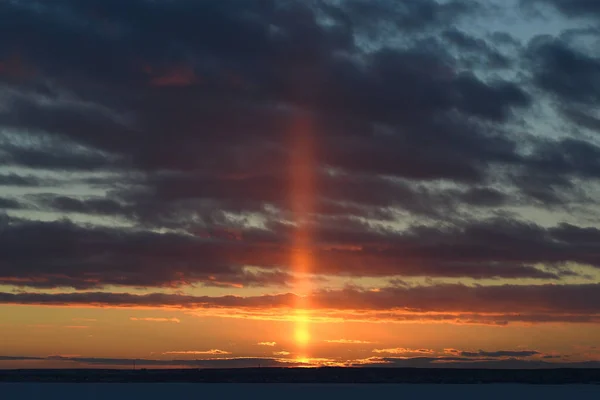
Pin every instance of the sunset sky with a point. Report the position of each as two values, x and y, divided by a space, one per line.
294 183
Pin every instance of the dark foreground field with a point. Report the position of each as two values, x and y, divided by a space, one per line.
310 375
239 391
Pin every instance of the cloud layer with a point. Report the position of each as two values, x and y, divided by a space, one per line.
493 361
438 303
145 146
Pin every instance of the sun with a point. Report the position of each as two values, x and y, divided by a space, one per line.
301 328
302 336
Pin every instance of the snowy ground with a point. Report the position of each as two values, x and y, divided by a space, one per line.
175 391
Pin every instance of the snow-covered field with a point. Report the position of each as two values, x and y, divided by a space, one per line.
175 391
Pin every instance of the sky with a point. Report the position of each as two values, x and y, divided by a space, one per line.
298 183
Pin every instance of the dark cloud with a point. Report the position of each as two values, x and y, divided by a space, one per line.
396 90
504 38
398 87
19 358
471 49
500 353
336 195
70 255
572 77
8 203
506 299
50 254
458 362
372 112
243 362
403 16
92 206
553 169
21 180
582 118
59 157
565 71
153 300
499 305
574 8
410 362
